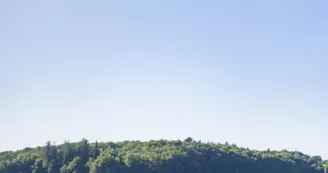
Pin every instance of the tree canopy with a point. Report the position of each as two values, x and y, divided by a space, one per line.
160 156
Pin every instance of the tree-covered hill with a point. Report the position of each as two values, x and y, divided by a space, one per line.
159 156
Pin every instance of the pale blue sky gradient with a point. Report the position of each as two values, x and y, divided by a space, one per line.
247 72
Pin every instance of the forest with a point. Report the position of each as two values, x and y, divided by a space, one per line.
156 156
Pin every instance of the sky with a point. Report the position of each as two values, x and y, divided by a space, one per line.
252 72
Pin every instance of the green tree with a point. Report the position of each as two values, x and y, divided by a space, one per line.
67 152
95 150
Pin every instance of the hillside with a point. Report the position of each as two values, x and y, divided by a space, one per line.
159 156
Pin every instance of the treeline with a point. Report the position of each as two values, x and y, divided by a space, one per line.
159 156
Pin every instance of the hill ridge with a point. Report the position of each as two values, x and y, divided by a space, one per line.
156 156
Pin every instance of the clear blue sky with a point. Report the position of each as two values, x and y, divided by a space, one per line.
247 72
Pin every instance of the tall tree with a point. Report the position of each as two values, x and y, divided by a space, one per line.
84 150
51 158
95 150
84 156
67 152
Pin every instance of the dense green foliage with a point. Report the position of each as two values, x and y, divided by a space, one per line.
160 156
